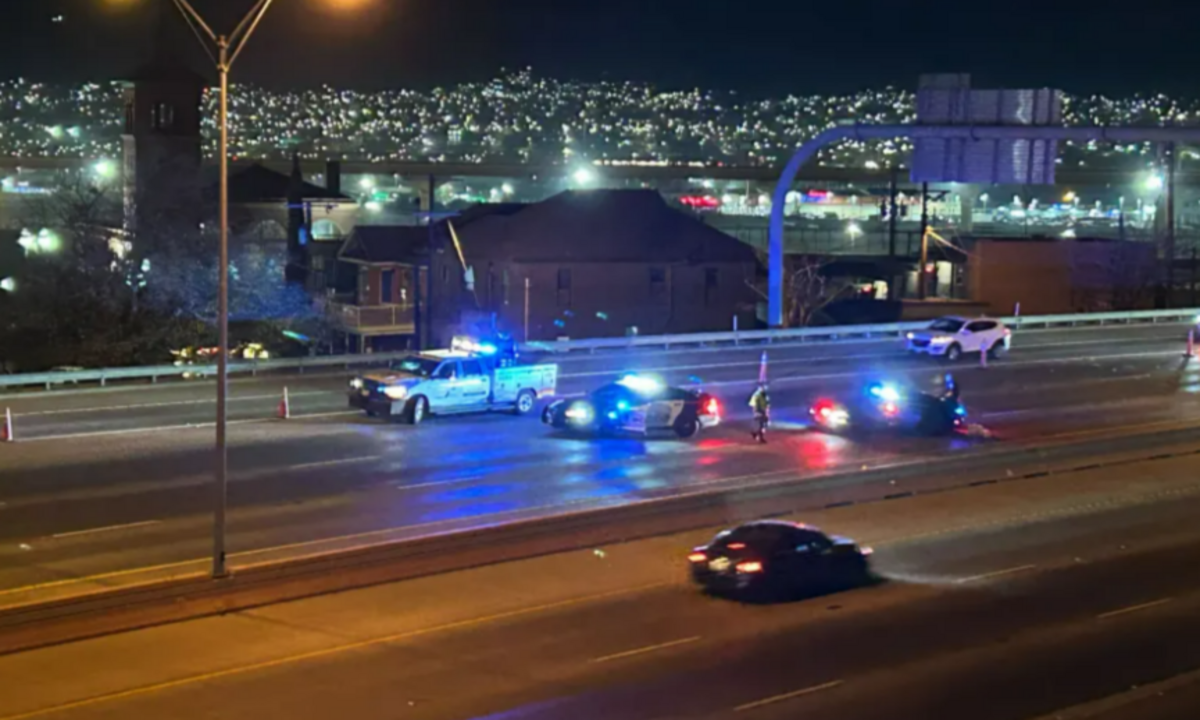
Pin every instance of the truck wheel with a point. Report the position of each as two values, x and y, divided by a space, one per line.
954 353
526 399
416 411
686 429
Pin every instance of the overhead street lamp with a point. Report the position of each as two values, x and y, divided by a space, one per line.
228 48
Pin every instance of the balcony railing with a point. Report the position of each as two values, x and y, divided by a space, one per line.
373 318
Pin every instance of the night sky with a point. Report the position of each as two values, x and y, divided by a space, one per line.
753 46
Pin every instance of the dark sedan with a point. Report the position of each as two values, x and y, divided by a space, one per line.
778 559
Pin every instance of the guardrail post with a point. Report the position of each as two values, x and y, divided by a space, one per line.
103 381
6 432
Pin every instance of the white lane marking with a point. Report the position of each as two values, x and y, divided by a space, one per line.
787 696
644 650
840 358
137 430
330 463
1133 609
439 483
997 573
187 426
173 403
313 416
110 528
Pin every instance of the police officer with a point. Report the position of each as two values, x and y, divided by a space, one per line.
760 403
952 389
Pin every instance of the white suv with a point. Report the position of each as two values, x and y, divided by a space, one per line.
950 337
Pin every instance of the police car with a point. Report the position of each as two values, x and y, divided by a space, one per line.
636 404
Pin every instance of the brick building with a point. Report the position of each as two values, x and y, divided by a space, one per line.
580 264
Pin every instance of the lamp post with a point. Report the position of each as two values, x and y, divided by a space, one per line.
228 48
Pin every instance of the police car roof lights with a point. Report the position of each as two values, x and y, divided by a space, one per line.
641 384
887 393
470 345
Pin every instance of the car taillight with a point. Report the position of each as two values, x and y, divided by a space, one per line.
736 546
697 557
867 550
750 567
823 408
890 409
712 407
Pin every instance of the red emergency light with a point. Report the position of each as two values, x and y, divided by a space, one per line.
700 202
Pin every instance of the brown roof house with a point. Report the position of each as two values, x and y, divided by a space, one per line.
581 264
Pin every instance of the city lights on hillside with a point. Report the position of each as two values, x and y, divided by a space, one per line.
524 118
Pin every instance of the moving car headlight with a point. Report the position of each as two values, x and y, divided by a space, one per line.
396 392
356 383
580 413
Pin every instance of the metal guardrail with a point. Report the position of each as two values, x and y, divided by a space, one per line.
841 332
154 373
797 335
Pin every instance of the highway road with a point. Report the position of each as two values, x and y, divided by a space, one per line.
109 481
1010 602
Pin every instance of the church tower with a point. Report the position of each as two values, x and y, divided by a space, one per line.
162 137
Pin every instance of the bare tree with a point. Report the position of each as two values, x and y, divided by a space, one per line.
807 291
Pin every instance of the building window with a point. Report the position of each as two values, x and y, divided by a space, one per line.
658 285
564 287
712 281
326 229
164 116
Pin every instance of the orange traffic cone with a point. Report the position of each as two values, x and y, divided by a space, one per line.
6 432
285 407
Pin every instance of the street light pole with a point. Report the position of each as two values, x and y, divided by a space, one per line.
222 451
228 49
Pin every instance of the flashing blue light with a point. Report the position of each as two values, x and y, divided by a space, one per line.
296 336
622 405
612 415
640 384
960 411
488 349
885 392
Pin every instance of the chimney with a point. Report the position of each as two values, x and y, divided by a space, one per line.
333 177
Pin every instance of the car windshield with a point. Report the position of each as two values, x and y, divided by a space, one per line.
416 365
946 325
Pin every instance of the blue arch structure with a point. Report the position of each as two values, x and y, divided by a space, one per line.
966 132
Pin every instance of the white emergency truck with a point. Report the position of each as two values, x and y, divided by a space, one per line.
467 378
